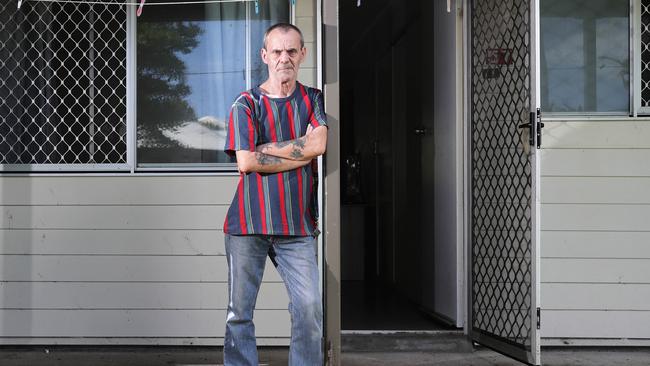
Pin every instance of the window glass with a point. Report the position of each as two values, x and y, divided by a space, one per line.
191 67
273 12
585 55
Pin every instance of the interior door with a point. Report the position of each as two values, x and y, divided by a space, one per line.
504 171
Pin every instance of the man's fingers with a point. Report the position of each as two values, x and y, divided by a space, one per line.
310 128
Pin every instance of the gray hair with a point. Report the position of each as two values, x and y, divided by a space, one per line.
284 28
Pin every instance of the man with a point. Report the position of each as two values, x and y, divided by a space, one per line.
275 130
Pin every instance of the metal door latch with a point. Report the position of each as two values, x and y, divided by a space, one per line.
535 126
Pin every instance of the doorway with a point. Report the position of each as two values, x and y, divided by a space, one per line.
401 170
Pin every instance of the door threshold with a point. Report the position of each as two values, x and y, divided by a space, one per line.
397 331
407 340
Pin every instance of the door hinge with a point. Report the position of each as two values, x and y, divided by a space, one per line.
328 361
539 318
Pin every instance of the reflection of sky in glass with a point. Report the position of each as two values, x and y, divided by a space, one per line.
214 73
585 59
216 67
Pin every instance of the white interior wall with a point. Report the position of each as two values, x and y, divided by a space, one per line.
447 162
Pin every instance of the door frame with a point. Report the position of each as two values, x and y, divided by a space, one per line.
331 198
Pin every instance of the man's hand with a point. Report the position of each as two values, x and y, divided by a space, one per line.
304 148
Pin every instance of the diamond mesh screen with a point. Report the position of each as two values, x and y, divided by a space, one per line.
645 53
501 171
62 83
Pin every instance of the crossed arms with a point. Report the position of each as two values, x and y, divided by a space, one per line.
281 156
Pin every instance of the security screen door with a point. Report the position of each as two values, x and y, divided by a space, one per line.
504 217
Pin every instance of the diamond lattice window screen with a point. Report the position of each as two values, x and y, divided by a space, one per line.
62 83
645 53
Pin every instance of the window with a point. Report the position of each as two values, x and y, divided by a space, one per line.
62 86
585 56
64 83
193 61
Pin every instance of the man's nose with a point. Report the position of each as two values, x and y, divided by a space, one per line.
284 56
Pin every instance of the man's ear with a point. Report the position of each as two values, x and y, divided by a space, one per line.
264 54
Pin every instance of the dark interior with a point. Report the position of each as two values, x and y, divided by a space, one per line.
386 104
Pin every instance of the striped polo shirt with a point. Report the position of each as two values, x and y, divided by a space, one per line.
273 203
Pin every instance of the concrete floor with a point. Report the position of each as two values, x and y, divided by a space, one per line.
446 350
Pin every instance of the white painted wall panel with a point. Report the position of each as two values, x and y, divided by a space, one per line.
595 296
589 270
131 295
595 239
124 258
133 323
112 268
595 324
597 133
596 162
112 242
596 244
134 217
596 217
116 190
590 190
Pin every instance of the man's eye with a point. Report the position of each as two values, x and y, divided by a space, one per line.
293 53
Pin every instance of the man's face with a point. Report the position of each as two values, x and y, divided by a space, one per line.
283 55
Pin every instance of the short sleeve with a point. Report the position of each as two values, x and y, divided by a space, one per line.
241 133
319 118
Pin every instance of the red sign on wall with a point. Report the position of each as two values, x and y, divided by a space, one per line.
498 56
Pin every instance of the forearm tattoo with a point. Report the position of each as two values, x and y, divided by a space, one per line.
297 144
264 159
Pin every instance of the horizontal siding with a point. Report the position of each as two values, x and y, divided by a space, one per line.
606 270
131 295
107 268
601 217
134 323
112 242
160 217
595 244
117 190
595 239
595 324
600 190
589 296
89 259
596 162
597 134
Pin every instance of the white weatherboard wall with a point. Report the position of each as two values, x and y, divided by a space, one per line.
595 240
121 259
128 259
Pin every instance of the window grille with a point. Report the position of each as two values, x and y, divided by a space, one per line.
645 53
62 84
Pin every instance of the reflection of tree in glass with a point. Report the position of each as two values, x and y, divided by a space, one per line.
161 80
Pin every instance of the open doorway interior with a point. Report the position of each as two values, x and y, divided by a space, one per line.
399 183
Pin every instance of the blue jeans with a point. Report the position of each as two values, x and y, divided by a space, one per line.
296 263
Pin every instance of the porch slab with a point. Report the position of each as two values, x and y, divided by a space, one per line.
446 352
